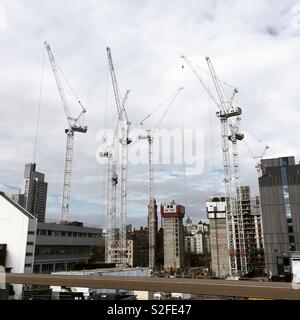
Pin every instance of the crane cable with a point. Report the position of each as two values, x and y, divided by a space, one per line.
183 151
162 104
39 106
69 85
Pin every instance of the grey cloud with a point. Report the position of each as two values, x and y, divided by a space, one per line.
252 46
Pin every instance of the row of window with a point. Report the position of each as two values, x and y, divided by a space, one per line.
53 251
48 268
56 233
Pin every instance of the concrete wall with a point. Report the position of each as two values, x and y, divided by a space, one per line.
219 248
14 228
171 258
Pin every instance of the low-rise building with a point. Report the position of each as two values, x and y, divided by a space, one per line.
59 247
18 236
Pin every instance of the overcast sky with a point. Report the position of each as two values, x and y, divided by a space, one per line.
254 45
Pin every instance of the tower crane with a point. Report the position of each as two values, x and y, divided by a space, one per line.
125 141
74 126
149 137
225 113
112 183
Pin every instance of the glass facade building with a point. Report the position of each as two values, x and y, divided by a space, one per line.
280 203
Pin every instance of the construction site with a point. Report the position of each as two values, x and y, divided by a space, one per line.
238 237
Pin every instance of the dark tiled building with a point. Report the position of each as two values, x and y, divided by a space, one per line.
280 203
33 195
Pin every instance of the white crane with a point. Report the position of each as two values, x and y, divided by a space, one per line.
259 157
74 126
226 111
111 242
112 182
125 141
151 207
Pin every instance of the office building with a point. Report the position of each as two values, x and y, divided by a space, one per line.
59 247
33 196
172 215
279 188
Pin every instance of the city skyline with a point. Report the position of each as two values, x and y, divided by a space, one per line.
257 66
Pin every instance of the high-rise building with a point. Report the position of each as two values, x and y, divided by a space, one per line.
173 215
253 236
280 203
216 213
33 196
140 247
252 222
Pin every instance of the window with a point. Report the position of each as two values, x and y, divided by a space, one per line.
47 268
30 243
291 239
36 268
29 254
31 232
43 232
28 265
290 229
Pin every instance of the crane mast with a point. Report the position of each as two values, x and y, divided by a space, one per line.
73 127
234 138
112 182
149 137
125 141
151 205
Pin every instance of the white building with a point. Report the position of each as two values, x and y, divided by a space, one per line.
18 232
197 239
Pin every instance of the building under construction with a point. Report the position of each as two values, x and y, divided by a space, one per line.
252 229
216 213
173 215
